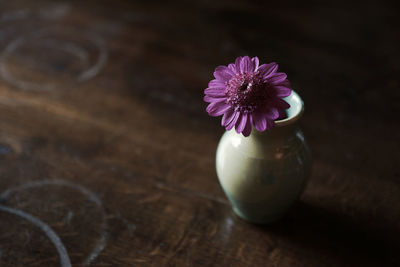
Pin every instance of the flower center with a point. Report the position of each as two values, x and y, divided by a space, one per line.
247 92
244 87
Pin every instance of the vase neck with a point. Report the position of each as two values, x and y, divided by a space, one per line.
278 132
289 125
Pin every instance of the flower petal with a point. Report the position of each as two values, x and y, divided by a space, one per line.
223 73
272 113
216 84
269 113
282 91
286 83
246 65
215 92
267 69
241 123
230 125
277 77
280 103
256 63
212 99
247 129
228 117
282 114
217 108
259 122
237 64
270 124
232 67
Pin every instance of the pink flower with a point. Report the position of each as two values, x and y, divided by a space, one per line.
247 94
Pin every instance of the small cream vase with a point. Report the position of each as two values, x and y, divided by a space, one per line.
264 174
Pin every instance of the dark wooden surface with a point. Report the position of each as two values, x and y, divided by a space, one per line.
104 137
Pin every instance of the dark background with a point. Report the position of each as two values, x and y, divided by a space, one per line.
104 135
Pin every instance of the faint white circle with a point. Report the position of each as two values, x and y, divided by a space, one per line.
51 39
102 241
54 238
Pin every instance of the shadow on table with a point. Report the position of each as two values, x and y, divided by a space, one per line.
317 228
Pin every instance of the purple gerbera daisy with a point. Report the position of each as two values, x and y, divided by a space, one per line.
247 94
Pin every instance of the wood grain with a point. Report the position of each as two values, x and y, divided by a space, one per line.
105 140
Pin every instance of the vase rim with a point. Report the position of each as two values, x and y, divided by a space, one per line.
295 111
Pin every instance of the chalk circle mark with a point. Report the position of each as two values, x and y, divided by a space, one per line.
62 251
102 240
53 56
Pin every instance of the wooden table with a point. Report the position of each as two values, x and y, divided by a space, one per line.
107 153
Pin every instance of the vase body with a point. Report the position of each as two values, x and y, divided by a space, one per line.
263 174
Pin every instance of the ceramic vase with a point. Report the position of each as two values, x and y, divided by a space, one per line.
264 174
